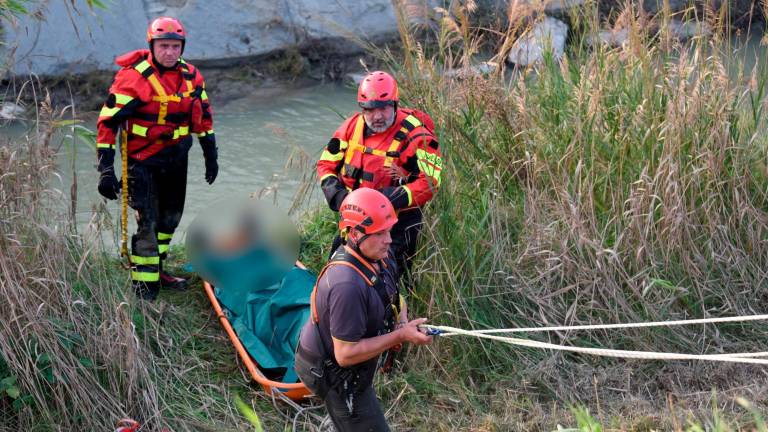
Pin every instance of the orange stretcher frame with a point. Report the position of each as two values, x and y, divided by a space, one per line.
295 391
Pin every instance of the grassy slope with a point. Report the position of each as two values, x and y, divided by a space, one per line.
616 186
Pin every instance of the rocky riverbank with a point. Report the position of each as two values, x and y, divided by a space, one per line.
245 51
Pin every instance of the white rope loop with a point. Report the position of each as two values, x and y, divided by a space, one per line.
748 358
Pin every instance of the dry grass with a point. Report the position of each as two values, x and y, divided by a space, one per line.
77 352
614 185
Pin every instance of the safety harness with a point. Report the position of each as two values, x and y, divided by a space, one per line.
347 380
407 125
347 257
163 98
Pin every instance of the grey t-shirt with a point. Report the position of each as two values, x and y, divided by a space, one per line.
349 309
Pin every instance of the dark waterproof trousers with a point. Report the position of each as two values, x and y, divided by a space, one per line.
405 235
351 410
157 193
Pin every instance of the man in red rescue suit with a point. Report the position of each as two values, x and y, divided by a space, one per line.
157 100
387 148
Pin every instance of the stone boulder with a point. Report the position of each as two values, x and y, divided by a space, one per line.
549 33
11 111
74 39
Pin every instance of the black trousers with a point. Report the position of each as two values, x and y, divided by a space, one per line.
353 411
365 414
157 193
405 236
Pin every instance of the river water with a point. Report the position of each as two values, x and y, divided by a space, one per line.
256 136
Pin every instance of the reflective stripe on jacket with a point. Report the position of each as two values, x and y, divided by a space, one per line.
407 155
156 109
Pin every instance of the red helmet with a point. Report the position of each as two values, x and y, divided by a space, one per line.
166 28
366 210
378 89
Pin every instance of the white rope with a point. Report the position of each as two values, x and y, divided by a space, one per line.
613 326
644 355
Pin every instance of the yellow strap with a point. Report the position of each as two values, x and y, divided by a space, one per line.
357 139
124 194
161 97
164 236
393 147
105 145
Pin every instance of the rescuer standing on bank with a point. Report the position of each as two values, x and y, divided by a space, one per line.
157 100
387 148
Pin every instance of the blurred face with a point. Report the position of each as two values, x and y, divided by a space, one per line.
379 119
376 246
167 51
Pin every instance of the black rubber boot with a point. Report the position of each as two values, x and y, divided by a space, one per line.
146 290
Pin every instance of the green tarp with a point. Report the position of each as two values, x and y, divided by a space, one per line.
266 304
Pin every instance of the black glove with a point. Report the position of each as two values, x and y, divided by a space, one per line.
334 192
211 155
211 170
109 187
397 196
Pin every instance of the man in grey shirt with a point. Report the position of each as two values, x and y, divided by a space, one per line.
356 315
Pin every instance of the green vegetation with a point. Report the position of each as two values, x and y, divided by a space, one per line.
615 185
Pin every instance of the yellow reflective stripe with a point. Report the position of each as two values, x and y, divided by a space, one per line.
108 112
326 176
413 121
163 248
410 201
206 133
105 145
141 67
145 276
204 95
164 236
393 146
180 132
139 130
328 156
343 145
430 164
140 260
122 99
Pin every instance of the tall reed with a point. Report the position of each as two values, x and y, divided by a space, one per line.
613 185
77 352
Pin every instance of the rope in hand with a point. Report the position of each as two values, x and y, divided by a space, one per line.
749 358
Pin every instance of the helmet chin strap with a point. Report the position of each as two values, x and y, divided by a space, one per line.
355 244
